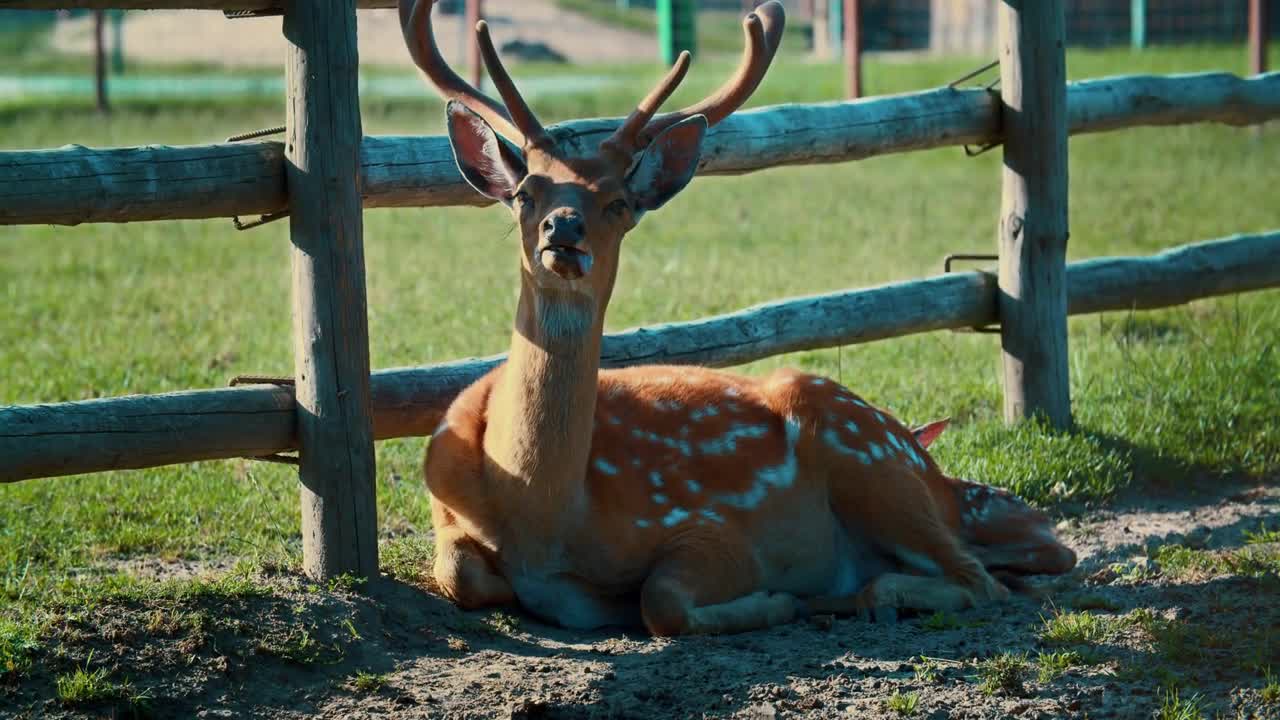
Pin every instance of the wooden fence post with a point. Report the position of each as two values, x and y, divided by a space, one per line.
1033 213
331 335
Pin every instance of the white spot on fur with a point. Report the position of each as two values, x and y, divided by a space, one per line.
655 478
615 420
712 515
660 498
675 517
782 475
606 467
700 414
728 443
877 452
732 391
880 417
852 427
819 381
642 523
693 485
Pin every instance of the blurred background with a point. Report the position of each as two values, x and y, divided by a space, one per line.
50 54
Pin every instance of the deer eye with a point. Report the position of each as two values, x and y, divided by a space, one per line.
617 208
521 198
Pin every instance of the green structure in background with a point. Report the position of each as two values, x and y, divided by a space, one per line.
1138 24
677 28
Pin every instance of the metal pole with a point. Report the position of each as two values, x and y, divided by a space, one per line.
1258 32
835 23
100 62
474 14
852 49
117 42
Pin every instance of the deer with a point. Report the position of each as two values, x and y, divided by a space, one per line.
681 499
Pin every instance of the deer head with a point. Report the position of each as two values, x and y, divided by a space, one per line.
573 211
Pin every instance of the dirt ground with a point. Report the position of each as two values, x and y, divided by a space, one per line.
208 37
295 650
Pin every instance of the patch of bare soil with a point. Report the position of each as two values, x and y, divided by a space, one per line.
297 651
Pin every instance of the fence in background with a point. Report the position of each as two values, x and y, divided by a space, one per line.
326 173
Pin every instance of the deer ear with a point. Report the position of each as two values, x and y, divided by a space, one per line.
490 164
668 164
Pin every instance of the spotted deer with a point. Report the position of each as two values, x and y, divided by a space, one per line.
686 499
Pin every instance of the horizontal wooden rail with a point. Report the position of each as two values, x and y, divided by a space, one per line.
72 185
146 431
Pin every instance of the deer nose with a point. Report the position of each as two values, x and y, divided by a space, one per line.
564 227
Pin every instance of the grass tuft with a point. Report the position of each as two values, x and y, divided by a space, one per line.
407 558
367 682
1051 666
1175 707
1004 674
903 704
1080 628
18 642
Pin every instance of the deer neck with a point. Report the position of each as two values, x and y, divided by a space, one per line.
542 406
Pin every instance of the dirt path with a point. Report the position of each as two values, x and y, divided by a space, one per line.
296 651
207 37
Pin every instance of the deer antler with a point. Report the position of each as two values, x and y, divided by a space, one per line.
763 29
516 121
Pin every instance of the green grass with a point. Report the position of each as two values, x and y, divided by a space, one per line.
1004 674
1080 628
1173 396
18 642
367 682
87 687
1050 666
902 704
1270 692
1175 707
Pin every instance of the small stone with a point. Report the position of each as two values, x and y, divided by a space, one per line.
822 622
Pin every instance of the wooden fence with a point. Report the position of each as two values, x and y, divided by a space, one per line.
331 172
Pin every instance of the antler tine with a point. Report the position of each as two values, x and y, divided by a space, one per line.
625 137
521 114
763 29
415 22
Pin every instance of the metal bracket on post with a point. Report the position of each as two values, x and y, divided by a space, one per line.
258 12
973 257
971 151
253 135
282 381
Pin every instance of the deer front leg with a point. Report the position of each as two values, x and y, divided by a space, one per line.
463 571
707 589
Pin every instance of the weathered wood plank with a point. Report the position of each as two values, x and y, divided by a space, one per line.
1236 264
331 333
74 184
145 431
1115 103
1033 213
